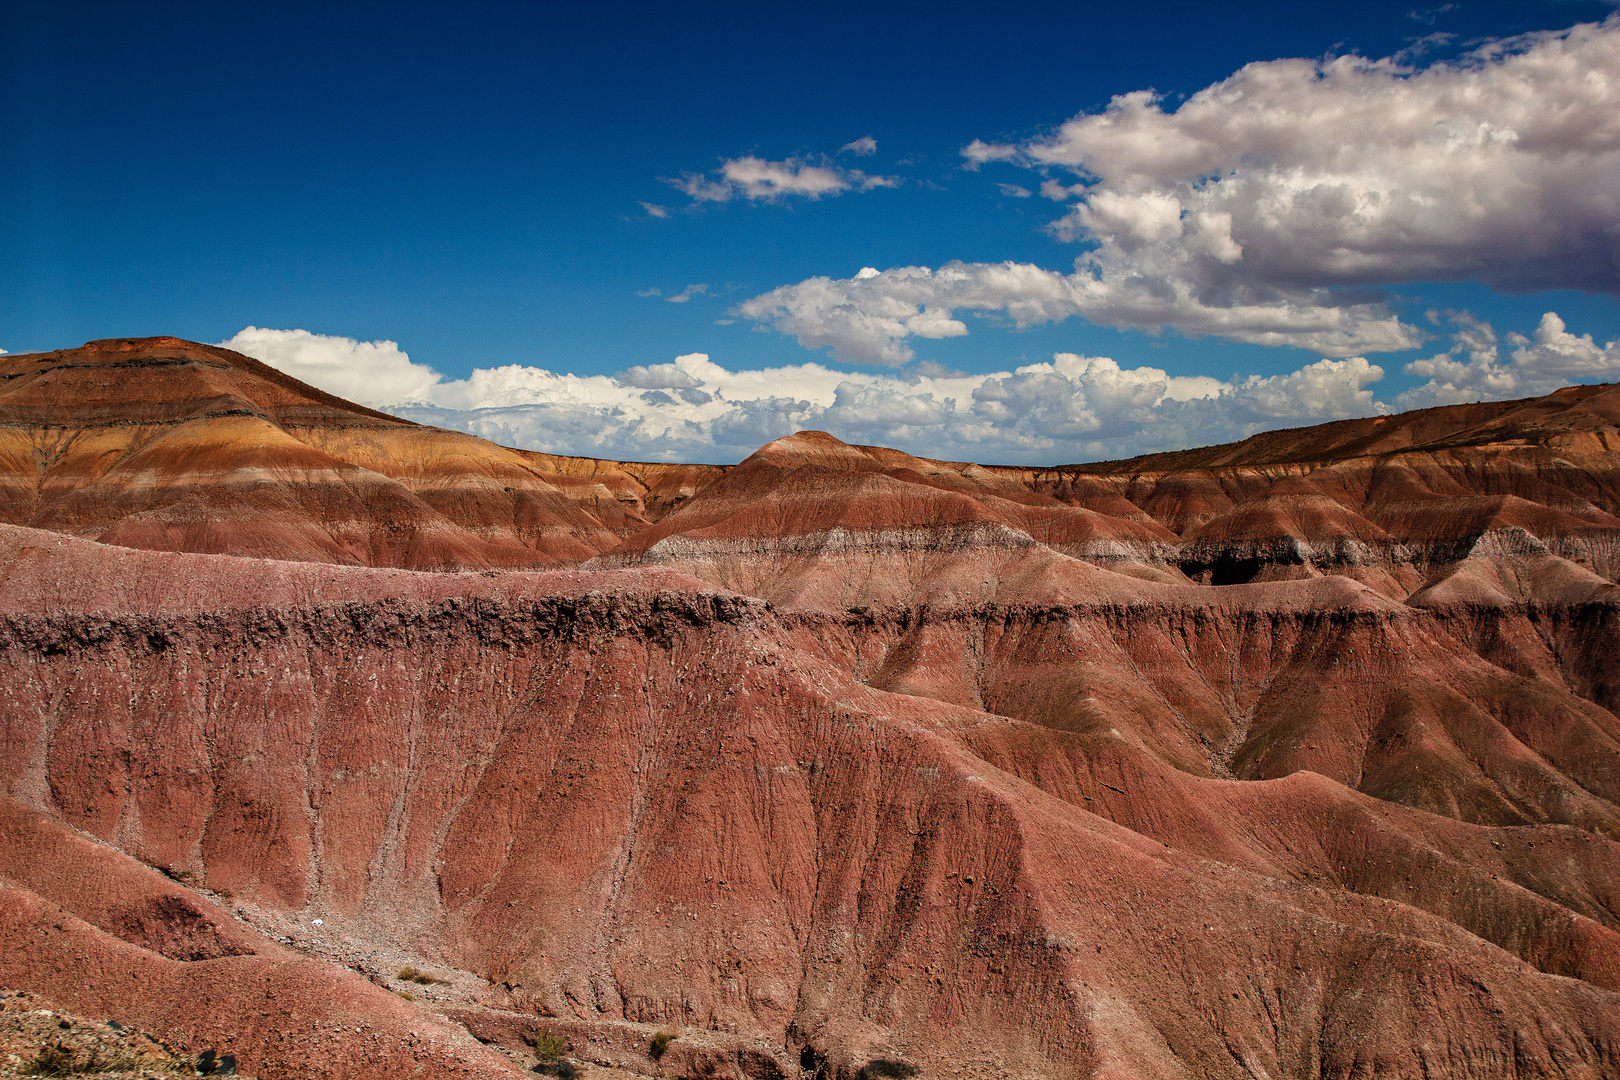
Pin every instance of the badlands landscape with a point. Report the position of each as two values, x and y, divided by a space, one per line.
351 747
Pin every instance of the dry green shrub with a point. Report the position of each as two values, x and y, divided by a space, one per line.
421 978
549 1046
661 1041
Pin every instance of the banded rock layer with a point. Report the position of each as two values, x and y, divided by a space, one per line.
832 758
164 444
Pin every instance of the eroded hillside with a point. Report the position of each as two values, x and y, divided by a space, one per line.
1296 758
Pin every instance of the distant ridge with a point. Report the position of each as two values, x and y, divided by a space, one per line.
173 445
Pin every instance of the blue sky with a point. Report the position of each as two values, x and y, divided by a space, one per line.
496 186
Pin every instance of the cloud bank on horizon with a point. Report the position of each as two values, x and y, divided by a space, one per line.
1071 408
1271 207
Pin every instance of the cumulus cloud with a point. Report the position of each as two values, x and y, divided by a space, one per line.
373 373
655 210
1071 408
1013 191
1271 206
1503 165
870 317
760 180
865 146
659 377
1473 368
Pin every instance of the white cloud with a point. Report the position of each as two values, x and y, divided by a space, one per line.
691 409
1503 165
1013 191
687 293
865 146
1268 207
659 377
1556 357
1473 370
373 373
655 210
978 152
868 318
1060 192
759 180
1325 390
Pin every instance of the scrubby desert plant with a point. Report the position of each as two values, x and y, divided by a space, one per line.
661 1041
886 1069
421 978
549 1046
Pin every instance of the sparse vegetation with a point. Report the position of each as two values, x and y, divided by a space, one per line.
58 1061
661 1041
561 1068
51 1061
549 1046
886 1069
421 978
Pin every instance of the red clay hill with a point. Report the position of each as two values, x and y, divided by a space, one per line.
1292 758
